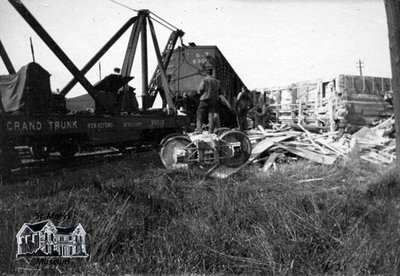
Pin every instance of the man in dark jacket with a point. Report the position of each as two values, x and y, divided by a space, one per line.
209 91
243 104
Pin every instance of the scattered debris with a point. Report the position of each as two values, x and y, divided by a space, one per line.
374 144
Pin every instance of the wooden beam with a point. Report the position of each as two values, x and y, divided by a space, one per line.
270 161
145 70
310 155
310 138
99 54
132 46
167 90
6 60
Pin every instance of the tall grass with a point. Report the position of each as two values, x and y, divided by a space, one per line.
300 219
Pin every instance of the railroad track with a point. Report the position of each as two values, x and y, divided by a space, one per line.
35 168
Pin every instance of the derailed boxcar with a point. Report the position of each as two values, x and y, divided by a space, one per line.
362 99
349 100
187 68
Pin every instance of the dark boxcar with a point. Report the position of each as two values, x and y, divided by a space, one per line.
187 69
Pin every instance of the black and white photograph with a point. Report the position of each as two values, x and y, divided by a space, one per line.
172 137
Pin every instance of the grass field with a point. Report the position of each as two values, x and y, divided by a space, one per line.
301 219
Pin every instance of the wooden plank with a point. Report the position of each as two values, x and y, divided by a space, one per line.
260 127
307 154
389 148
379 157
331 133
310 137
388 156
309 180
270 161
384 124
276 134
300 144
223 171
326 144
369 159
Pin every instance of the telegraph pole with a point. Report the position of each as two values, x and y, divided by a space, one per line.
393 21
360 66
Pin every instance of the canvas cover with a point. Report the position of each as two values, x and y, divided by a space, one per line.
26 92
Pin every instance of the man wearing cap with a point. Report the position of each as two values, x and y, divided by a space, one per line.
209 91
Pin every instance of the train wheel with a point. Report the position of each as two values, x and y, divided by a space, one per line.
166 138
170 150
242 154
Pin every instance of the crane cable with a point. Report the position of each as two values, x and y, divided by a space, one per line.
164 22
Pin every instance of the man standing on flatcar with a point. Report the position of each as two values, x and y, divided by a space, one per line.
209 90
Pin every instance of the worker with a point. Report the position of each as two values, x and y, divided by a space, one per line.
243 104
209 90
260 112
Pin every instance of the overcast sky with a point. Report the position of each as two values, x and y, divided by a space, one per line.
267 42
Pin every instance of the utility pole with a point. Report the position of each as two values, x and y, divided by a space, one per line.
360 66
393 21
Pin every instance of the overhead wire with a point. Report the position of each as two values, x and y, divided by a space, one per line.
118 3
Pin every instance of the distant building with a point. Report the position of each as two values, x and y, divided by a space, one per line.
44 239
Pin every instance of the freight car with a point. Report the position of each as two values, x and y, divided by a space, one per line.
187 68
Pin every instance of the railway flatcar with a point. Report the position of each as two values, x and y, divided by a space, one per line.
33 117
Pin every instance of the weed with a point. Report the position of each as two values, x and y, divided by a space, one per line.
300 219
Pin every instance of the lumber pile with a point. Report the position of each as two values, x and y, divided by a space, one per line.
373 144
